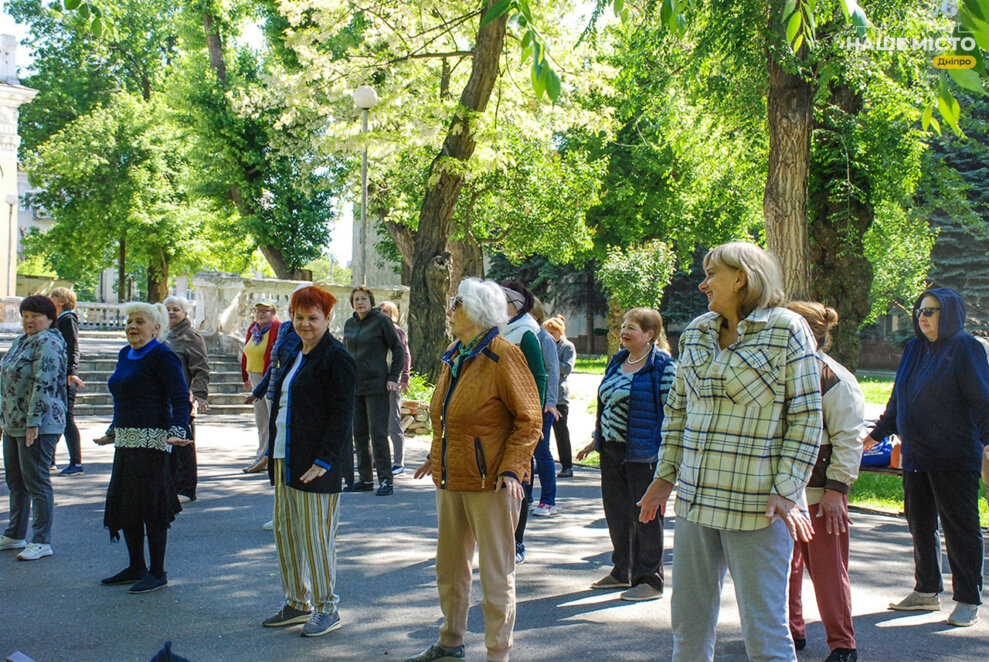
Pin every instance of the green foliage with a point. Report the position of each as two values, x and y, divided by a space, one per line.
637 276
592 364
114 173
419 389
35 265
876 389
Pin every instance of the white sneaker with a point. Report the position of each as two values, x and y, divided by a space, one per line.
544 510
6 542
35 551
269 525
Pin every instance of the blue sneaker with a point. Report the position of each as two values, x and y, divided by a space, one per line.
519 553
320 623
71 470
398 469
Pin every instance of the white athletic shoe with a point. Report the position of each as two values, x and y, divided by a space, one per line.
35 551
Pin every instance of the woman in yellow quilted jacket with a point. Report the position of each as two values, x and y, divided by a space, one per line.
486 418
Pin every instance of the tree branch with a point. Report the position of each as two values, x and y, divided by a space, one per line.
424 56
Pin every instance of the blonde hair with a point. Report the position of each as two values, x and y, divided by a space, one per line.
390 309
820 319
66 296
649 319
556 323
763 282
156 312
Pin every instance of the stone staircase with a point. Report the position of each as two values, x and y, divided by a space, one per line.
98 359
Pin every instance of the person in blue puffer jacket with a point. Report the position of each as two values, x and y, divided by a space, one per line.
627 437
940 410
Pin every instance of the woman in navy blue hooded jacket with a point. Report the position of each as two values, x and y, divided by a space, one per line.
940 410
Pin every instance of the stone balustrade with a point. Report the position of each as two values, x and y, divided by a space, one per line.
225 305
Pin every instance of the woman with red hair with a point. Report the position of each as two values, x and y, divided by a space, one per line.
308 436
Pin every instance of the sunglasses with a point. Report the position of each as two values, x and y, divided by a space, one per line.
926 312
454 304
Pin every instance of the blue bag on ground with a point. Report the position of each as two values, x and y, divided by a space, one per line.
878 455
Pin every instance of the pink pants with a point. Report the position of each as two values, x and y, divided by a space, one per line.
826 559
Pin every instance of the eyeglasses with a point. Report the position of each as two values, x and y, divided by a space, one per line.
926 312
455 303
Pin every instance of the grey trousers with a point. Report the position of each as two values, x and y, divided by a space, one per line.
395 432
759 562
28 475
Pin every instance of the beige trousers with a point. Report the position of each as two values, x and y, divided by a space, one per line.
487 521
261 413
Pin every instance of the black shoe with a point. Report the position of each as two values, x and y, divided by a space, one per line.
149 583
386 488
361 486
125 576
843 655
565 473
799 644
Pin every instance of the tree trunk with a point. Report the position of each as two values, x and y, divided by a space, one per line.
840 215
157 281
122 270
467 259
431 267
589 310
217 62
789 113
615 314
214 45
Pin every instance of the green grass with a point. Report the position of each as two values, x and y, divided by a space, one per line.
593 364
876 389
884 492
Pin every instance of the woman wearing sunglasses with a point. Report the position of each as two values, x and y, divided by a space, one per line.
940 410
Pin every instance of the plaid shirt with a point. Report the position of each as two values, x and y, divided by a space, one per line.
744 422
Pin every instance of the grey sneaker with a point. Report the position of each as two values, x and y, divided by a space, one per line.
641 593
964 615
437 652
320 623
287 615
917 602
608 582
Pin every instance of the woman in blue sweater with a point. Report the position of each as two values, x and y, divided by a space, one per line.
151 410
940 410
627 437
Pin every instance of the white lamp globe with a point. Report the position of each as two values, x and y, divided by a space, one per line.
365 97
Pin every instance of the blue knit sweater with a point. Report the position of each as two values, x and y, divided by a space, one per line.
151 391
940 401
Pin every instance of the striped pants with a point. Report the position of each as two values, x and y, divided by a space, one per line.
305 535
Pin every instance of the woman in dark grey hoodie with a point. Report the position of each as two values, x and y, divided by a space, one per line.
940 410
368 335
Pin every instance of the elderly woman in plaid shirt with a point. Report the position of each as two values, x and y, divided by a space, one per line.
740 436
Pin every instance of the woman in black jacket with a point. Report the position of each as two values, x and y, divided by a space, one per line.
369 335
68 325
308 436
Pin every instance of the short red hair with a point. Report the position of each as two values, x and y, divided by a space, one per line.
312 298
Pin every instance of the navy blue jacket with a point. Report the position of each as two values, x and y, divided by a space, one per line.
283 352
645 406
940 401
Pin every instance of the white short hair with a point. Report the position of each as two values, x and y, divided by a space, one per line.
483 302
156 312
181 302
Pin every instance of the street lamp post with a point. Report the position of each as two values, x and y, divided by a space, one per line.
365 98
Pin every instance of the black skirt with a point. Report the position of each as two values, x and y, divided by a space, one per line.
140 490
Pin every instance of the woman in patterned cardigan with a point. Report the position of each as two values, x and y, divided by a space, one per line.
32 415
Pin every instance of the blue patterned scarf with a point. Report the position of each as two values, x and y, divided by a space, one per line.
257 333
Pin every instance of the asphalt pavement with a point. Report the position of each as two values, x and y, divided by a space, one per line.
223 579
